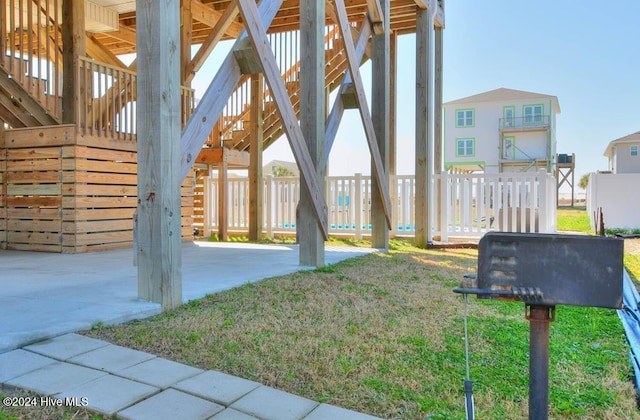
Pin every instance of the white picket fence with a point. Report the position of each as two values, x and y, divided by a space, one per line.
471 204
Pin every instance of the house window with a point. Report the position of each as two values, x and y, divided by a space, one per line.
465 147
509 116
465 118
532 114
634 150
509 148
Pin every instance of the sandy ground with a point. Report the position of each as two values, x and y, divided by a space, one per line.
632 246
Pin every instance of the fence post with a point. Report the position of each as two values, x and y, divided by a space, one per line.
269 205
207 208
393 192
544 201
358 206
444 214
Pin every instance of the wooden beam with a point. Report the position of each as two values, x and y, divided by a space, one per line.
378 167
246 57
204 117
158 227
424 26
99 52
435 8
335 116
312 117
124 34
256 183
221 26
205 14
186 32
235 158
376 16
280 95
73 42
380 98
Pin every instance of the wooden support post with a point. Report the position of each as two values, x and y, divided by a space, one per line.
393 111
159 252
256 183
438 140
393 180
376 14
73 41
312 117
223 202
424 26
186 21
381 75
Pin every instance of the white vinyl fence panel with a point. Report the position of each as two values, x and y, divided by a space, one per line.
471 205
616 196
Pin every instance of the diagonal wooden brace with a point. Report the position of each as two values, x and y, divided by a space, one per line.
260 42
204 117
365 115
335 116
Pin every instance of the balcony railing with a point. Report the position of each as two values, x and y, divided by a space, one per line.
530 122
108 108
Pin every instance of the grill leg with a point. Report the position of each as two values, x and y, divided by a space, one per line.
539 318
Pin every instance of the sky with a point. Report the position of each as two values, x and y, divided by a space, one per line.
585 52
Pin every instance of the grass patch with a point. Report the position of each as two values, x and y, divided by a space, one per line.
632 264
573 219
383 334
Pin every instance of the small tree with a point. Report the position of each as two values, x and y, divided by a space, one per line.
282 171
584 181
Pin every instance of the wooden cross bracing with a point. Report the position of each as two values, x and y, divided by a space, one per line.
365 115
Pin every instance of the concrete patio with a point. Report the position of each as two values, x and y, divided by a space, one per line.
44 298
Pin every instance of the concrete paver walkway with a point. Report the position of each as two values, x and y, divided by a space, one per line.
50 296
130 384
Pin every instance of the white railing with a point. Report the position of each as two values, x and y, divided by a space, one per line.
471 204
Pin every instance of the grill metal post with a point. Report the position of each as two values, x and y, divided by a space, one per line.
539 317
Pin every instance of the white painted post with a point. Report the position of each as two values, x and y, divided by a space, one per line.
207 206
269 205
358 206
544 202
444 209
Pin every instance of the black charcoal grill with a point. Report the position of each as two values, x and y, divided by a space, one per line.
545 270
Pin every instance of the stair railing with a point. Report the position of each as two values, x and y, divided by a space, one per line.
31 42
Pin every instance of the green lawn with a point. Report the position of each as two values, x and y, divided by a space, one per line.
383 334
573 219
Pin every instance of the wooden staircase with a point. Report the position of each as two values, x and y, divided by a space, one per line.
234 126
18 107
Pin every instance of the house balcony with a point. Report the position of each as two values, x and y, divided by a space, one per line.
527 123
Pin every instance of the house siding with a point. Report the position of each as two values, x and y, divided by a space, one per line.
486 132
623 162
